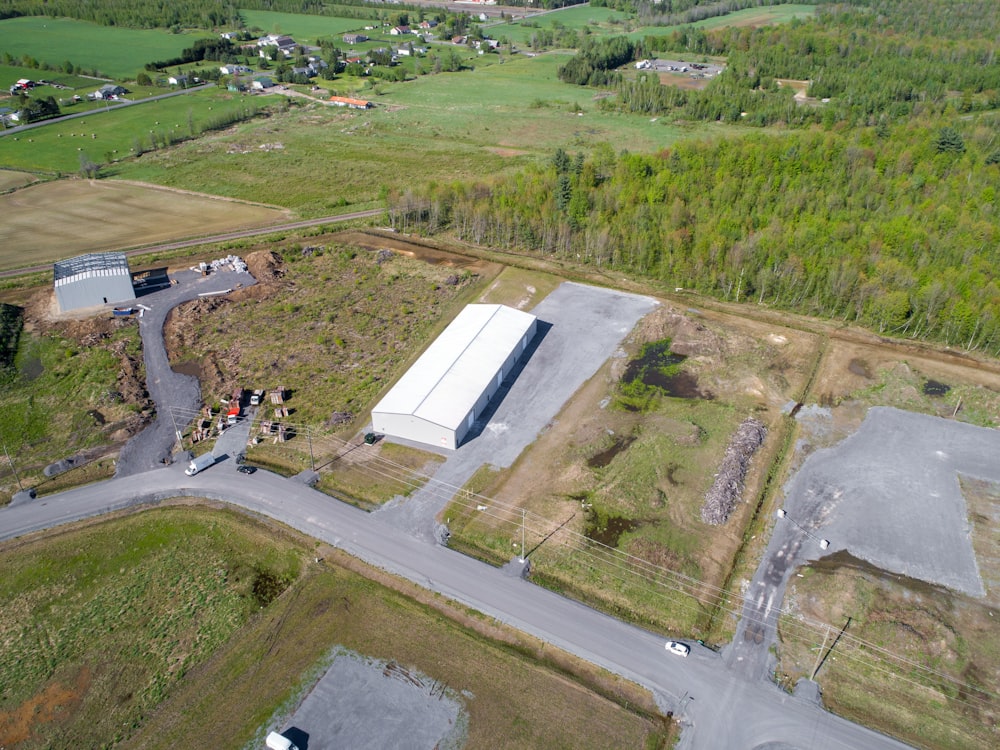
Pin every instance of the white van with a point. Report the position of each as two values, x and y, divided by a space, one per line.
276 741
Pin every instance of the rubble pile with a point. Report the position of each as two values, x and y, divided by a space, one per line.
727 489
233 262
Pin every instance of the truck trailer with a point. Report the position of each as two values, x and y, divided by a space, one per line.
200 463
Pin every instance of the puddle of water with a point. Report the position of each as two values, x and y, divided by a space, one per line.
602 459
934 388
32 368
658 367
189 367
608 530
860 367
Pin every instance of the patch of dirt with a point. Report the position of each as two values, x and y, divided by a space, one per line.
507 151
58 701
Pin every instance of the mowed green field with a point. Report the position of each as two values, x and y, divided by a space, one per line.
437 128
107 135
303 29
55 220
115 52
11 73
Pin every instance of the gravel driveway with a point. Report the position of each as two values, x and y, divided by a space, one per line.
168 389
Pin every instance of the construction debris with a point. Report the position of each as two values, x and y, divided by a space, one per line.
727 489
278 395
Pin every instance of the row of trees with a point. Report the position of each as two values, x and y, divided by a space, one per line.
892 228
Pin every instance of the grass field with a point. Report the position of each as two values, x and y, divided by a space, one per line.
303 29
55 220
109 135
148 629
115 52
441 126
606 21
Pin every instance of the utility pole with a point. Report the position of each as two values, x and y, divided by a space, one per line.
12 469
523 511
312 461
819 656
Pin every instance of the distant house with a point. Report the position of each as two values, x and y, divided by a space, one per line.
178 80
428 24
346 101
262 82
231 70
399 30
458 39
230 35
354 59
355 38
8 115
107 91
285 44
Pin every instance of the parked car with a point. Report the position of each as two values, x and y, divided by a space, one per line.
244 469
677 648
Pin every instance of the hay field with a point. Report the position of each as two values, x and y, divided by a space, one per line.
12 180
54 220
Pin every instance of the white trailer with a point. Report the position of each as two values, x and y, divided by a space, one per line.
200 463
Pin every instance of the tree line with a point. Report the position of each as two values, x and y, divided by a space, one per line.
893 228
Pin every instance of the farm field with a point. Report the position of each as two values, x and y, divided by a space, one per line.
54 220
10 180
111 51
303 29
211 598
109 135
612 22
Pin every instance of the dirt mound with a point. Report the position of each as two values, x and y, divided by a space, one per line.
266 266
727 490
688 335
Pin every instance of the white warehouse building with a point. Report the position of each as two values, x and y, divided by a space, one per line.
91 280
438 399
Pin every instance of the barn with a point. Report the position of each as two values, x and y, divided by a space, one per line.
92 279
438 399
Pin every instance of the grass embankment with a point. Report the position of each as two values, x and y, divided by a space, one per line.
148 629
62 396
113 51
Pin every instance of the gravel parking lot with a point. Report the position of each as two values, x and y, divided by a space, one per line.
889 494
365 703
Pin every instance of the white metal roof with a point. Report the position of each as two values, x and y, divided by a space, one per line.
88 266
444 384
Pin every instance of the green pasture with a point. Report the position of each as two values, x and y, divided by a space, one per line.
303 29
11 73
110 135
767 16
451 126
115 52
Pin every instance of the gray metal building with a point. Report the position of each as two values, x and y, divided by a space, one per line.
437 400
91 280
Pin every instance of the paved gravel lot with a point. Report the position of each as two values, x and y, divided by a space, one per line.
363 703
167 388
580 328
889 494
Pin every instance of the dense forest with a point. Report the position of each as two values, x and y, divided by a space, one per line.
892 228
907 70
879 208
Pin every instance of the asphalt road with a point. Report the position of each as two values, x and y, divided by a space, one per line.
719 709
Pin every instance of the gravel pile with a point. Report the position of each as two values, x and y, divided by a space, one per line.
727 489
